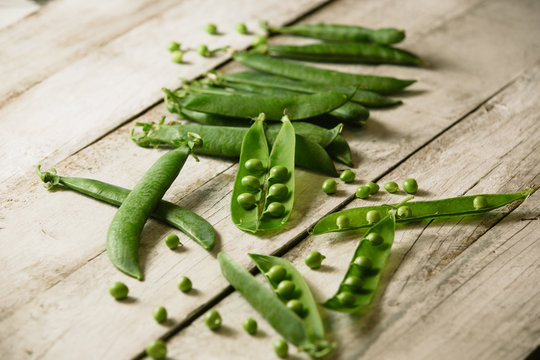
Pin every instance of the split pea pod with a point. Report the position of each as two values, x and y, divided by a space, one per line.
346 53
356 218
358 287
312 74
127 224
191 224
335 32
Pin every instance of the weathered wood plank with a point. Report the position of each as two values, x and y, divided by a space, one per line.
15 10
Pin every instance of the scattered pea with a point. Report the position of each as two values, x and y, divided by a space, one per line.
373 216
363 262
391 187
173 46
278 192
343 222
276 209
279 173
480 202
404 212
177 56
159 314
157 350
296 306
285 289
314 259
184 284
212 319
347 176
250 325
203 50
247 200
329 186
353 282
276 274
251 182
363 192
281 348
254 166
242 28
172 241
211 29
410 186
375 238
373 188
346 298
119 290
259 40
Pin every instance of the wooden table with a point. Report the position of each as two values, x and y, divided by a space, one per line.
75 78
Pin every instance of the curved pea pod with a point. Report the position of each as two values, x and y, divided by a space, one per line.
339 149
419 210
356 296
265 302
346 53
312 74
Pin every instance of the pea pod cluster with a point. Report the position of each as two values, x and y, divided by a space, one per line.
263 191
290 310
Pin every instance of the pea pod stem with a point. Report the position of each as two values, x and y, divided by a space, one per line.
181 218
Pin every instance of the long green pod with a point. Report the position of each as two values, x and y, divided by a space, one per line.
338 32
307 73
127 224
419 210
346 53
360 283
339 149
191 224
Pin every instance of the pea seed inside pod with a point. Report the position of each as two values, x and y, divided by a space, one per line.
285 289
375 239
254 166
276 209
278 192
354 283
276 274
346 298
278 173
296 306
363 262
373 216
480 202
343 222
404 212
251 182
247 200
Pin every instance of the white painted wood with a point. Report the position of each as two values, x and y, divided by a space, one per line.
12 11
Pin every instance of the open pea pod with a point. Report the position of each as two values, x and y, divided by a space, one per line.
418 210
358 287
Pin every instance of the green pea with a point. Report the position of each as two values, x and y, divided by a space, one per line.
346 298
281 348
391 187
212 319
247 200
203 50
285 289
251 182
363 192
157 350
329 186
211 29
410 186
354 283
254 166
314 259
276 274
279 192
173 46
480 202
177 56
159 314
374 238
279 173
373 188
184 284
343 222
119 290
347 176
250 325
259 40
296 306
242 28
373 216
363 262
276 209
172 241
404 212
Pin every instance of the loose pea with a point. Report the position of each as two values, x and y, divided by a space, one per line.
373 188
278 192
285 289
184 284
343 221
119 290
391 186
279 173
255 166
329 186
203 50
212 319
159 314
314 259
281 348
251 182
363 192
404 212
259 40
173 46
247 200
347 176
250 325
177 56
363 262
480 202
157 350
211 29
353 282
172 241
410 186
346 298
242 28
276 209
375 238
296 306
373 216
276 274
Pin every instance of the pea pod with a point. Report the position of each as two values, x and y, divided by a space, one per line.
346 53
335 32
358 287
184 220
419 210
311 74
